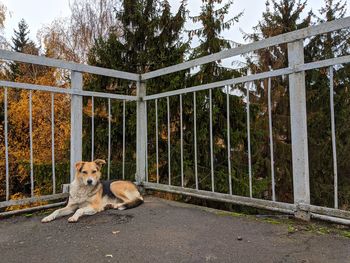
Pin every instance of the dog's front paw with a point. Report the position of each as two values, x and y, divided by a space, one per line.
47 219
72 219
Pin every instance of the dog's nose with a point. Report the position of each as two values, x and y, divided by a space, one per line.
89 181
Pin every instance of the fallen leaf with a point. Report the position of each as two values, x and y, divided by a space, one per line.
115 232
109 256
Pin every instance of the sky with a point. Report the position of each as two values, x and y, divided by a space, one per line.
38 13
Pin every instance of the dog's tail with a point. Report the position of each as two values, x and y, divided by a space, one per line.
136 202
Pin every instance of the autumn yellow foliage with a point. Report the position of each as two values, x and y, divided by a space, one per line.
18 125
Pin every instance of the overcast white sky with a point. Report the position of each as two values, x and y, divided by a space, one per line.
40 12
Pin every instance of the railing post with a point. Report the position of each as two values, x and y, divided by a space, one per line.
141 133
297 93
76 123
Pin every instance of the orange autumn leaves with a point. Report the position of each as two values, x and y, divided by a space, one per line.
18 124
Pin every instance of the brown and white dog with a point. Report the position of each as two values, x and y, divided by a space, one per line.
88 195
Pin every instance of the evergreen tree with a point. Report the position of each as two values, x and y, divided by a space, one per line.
20 42
279 17
322 47
212 20
20 39
151 39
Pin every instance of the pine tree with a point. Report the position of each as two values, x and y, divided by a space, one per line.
151 39
322 47
20 41
213 21
279 17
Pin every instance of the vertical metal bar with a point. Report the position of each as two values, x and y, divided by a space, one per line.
228 139
92 127
123 168
297 90
169 150
249 147
334 144
157 153
31 144
181 144
146 141
271 142
195 137
109 139
211 139
141 132
53 143
76 123
6 147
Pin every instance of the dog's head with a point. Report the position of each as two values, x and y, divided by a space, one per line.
89 173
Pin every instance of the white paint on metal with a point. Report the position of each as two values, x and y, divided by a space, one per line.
31 209
272 41
272 160
248 141
71 91
124 123
334 143
6 145
140 133
76 123
195 138
31 200
331 219
228 139
109 140
146 135
57 63
254 77
211 140
181 144
240 200
169 150
92 127
157 153
53 143
298 125
31 144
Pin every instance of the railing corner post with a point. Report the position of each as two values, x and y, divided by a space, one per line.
297 92
76 122
141 131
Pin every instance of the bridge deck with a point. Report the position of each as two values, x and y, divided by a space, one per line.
165 231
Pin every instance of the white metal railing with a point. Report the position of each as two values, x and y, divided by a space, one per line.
296 72
77 93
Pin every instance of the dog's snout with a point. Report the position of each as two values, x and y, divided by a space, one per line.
89 181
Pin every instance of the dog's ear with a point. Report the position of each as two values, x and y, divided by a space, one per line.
99 163
79 165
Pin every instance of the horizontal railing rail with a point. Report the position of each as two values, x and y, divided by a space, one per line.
239 200
57 63
249 78
68 91
265 43
31 200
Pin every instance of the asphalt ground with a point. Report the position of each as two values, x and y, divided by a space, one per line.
164 231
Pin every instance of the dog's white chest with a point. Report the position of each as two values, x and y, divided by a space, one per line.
78 195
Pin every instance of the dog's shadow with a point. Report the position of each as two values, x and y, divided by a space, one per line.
111 216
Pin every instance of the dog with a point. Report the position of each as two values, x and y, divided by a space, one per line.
88 195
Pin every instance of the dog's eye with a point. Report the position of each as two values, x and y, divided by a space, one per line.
94 171
84 172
